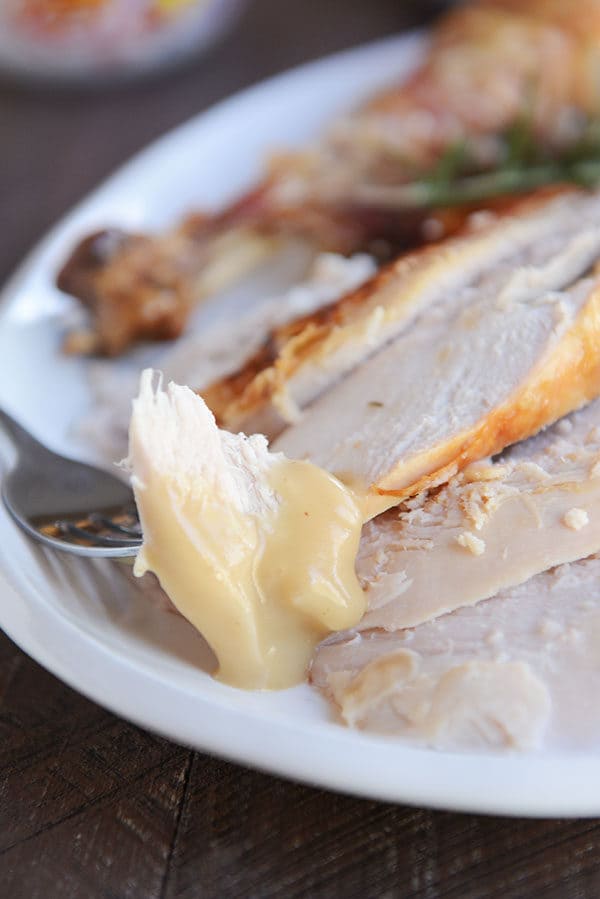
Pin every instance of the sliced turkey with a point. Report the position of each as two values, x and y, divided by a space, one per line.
303 360
494 526
517 671
487 368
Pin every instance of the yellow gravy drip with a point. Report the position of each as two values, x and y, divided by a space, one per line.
263 592
370 502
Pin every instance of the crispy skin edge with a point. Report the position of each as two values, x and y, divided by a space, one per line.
237 397
565 380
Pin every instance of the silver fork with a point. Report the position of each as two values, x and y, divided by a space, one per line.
66 504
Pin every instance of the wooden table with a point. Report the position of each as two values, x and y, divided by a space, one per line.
91 806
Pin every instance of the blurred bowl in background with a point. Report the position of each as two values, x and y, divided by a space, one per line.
91 41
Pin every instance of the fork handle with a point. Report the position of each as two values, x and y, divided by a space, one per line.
23 440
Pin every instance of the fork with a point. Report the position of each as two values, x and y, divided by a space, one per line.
67 504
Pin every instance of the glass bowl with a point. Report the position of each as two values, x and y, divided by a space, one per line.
100 40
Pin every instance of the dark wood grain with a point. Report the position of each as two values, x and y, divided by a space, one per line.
91 806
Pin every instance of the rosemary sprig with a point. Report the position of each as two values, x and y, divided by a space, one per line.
524 166
428 193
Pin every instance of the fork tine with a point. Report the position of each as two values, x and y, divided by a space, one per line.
68 529
109 524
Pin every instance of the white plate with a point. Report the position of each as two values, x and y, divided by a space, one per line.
85 622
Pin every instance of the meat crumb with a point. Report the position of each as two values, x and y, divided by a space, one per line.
474 544
576 519
564 426
484 471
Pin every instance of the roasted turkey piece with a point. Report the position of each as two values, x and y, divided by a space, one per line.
304 360
490 64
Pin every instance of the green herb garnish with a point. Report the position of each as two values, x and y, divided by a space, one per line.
524 166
